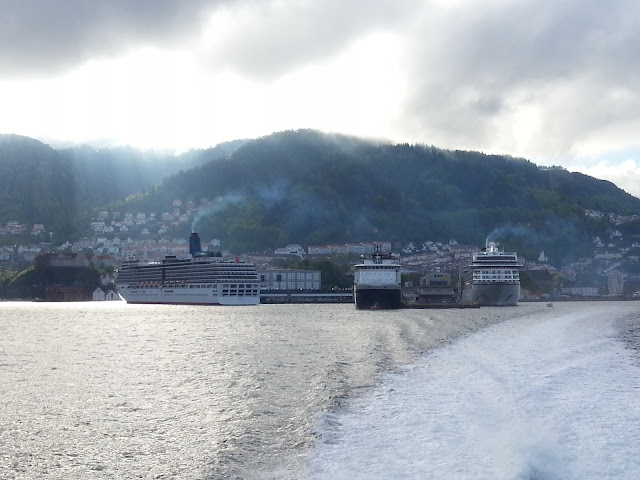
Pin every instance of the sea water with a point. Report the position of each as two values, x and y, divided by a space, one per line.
544 396
106 390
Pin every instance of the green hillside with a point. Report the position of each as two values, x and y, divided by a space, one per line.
61 188
111 174
312 188
36 184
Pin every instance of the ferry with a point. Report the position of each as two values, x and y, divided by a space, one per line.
377 282
493 277
202 278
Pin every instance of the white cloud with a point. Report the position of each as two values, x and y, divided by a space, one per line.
552 80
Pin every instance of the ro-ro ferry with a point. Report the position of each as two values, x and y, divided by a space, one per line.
377 282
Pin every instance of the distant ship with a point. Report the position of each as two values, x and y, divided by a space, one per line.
493 277
377 282
202 278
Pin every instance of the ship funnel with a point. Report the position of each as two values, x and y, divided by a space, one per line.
194 244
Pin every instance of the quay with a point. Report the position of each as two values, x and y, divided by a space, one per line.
440 305
305 297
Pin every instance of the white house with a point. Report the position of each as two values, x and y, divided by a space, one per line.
111 296
98 295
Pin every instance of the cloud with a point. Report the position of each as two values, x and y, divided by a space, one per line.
271 38
249 36
557 79
45 36
488 72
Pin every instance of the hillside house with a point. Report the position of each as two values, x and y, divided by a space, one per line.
291 249
67 260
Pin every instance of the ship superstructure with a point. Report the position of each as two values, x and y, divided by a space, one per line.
202 278
493 278
377 282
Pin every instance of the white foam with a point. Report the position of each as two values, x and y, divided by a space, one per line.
536 398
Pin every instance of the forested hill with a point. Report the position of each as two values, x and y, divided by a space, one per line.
312 188
109 174
36 184
59 188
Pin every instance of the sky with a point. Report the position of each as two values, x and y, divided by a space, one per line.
556 82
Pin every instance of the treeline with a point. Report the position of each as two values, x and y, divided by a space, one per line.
313 188
34 281
63 189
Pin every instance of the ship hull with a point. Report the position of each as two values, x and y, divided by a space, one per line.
171 296
377 298
496 294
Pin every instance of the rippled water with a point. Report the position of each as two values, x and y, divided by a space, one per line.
546 396
109 390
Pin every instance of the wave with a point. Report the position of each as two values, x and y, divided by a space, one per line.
541 397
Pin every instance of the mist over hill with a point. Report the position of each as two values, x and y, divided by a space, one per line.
36 184
315 188
61 188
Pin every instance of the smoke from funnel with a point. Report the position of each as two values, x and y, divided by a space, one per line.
510 231
218 204
269 195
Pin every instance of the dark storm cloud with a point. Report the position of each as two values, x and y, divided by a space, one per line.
45 36
467 74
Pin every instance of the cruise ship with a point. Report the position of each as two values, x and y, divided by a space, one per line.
493 277
377 282
202 278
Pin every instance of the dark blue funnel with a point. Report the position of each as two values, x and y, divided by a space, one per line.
194 244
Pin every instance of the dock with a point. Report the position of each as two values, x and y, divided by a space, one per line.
419 306
306 297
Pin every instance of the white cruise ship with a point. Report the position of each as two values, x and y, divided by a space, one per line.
200 279
377 282
493 277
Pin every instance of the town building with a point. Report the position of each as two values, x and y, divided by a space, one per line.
290 280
